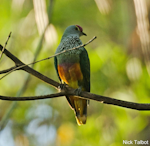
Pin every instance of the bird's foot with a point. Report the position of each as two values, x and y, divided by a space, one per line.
78 91
62 86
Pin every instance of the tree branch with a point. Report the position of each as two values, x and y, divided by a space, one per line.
28 69
69 91
84 95
7 70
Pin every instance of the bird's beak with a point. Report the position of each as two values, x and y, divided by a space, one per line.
84 33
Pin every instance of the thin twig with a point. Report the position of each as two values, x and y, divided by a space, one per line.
5 45
19 67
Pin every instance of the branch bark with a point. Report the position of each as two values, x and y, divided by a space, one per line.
84 95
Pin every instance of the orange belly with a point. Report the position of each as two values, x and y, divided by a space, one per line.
70 74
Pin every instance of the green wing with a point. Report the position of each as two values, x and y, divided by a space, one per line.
85 68
55 63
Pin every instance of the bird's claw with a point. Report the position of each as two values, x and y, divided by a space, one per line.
78 91
62 86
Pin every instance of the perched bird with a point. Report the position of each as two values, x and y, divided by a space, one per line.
73 69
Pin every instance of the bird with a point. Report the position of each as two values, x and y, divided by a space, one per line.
73 69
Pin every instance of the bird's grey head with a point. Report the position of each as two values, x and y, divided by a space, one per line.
74 30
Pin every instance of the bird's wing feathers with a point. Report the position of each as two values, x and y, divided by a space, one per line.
85 68
55 63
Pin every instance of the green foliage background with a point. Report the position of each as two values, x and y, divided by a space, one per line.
115 72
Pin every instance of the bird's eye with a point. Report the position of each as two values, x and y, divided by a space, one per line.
76 28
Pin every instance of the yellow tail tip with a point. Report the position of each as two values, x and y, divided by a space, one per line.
81 119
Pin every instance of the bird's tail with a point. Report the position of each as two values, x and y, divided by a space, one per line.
81 110
81 119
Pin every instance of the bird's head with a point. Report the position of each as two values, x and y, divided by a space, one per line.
74 30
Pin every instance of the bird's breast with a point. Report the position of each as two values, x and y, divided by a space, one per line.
70 73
